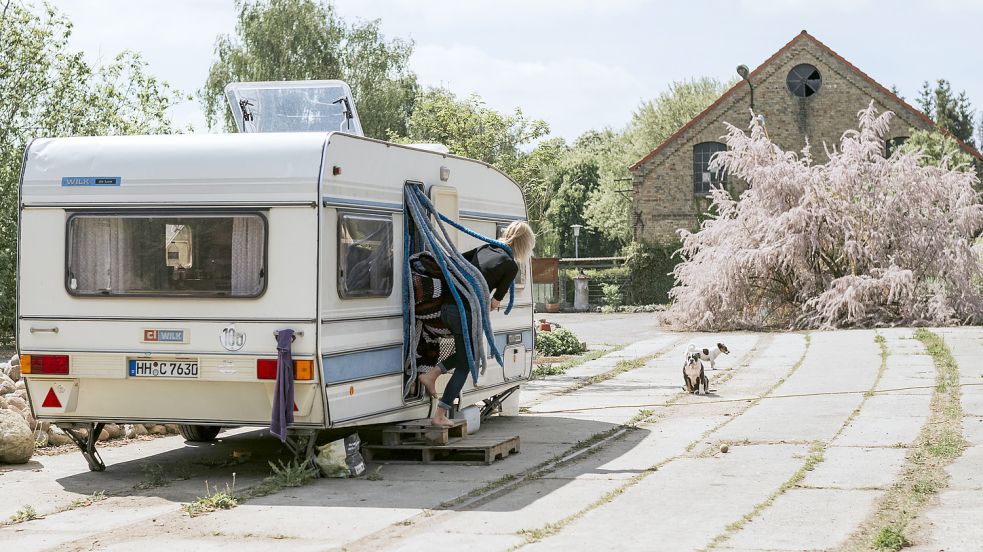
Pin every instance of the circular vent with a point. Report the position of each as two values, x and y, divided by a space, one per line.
804 80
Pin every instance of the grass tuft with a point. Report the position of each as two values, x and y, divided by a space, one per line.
290 474
891 538
213 500
545 370
87 500
25 513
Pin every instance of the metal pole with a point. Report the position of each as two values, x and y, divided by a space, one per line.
576 239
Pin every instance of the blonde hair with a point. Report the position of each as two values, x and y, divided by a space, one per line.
520 237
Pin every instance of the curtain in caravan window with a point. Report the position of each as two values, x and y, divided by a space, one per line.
247 255
180 254
91 254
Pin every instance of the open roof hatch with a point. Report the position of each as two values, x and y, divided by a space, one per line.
293 106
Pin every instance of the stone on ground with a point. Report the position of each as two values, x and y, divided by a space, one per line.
16 439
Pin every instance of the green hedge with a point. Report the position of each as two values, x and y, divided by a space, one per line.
597 279
644 279
651 267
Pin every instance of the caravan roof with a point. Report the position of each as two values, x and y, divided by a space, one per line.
181 168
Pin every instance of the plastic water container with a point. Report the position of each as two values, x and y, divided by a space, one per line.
473 415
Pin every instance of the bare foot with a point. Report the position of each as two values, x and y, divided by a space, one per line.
429 381
440 419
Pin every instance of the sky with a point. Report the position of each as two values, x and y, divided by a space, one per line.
577 64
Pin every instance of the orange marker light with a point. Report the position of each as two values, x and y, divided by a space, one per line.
304 369
25 364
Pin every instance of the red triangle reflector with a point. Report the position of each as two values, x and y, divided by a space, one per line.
51 400
295 407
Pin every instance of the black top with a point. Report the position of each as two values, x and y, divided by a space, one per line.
496 266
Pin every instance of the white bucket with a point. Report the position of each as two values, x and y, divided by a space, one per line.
473 415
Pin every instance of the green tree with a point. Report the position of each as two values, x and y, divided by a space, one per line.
574 181
936 147
307 40
950 112
535 177
470 128
48 90
610 204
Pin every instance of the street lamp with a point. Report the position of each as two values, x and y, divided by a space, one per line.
745 74
576 239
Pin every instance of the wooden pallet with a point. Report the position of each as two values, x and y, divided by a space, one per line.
466 451
422 432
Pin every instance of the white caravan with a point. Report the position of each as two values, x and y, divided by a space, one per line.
155 271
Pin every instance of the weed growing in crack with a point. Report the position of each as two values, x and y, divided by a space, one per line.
290 474
213 500
891 538
25 513
87 500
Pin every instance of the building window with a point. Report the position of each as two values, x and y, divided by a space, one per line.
804 80
891 145
703 178
167 254
365 255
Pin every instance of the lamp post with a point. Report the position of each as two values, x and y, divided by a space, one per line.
576 239
745 74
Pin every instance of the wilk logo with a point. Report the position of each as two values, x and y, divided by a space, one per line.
232 339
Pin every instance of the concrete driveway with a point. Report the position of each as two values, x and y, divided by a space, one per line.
820 430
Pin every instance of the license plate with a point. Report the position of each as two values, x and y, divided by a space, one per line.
150 368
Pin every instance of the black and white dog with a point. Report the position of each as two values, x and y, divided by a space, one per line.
708 355
694 378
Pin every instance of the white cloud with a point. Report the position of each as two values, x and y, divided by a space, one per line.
572 94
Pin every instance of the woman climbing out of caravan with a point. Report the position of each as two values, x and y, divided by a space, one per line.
499 270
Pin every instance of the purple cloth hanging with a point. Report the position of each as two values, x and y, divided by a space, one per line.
283 392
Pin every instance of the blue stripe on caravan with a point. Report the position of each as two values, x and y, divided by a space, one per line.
341 201
362 364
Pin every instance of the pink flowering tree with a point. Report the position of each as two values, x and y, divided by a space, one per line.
859 241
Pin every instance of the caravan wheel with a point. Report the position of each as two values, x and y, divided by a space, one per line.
199 433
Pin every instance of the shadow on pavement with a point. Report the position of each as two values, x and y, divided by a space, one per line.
186 469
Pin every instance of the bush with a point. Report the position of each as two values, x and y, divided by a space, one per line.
560 341
859 241
612 295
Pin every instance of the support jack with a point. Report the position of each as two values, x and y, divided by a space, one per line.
493 404
87 444
302 443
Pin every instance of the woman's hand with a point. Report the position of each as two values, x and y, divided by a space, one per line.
495 303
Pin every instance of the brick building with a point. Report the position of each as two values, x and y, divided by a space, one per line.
804 90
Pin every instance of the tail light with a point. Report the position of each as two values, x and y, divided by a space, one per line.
266 369
44 364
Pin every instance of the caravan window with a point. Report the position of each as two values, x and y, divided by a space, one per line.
212 255
365 255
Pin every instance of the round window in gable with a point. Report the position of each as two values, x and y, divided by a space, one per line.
804 80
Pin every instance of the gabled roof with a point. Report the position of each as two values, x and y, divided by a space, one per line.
800 37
